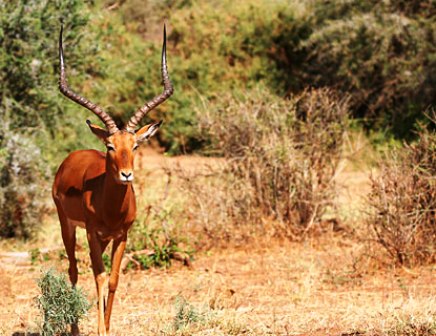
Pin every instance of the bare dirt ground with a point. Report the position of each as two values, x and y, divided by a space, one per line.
324 286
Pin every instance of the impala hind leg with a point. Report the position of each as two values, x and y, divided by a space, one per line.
69 239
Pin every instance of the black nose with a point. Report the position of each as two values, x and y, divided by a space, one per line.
126 175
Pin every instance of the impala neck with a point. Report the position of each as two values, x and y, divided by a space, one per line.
116 197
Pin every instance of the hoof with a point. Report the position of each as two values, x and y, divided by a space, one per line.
75 330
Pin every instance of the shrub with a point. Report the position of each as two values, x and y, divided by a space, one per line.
402 202
281 159
213 47
22 193
30 108
381 53
60 304
159 245
29 71
31 102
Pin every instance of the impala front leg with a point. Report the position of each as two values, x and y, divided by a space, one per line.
117 255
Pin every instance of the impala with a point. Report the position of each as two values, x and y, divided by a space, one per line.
93 190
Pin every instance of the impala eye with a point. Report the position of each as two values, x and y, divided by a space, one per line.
135 147
110 147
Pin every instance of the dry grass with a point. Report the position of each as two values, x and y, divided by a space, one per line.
323 286
316 288
282 158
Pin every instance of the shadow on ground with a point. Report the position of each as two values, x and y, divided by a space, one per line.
24 333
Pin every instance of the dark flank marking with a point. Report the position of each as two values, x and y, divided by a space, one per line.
73 192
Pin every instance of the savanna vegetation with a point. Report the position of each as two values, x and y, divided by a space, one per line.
273 98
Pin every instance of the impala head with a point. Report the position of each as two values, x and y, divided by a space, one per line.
121 148
121 144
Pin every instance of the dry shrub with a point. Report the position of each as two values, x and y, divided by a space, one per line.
218 207
280 161
402 202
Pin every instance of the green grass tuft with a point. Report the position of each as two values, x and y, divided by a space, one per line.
186 314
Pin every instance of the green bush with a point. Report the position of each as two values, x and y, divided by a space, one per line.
226 46
383 58
22 194
60 304
28 59
381 53
36 129
213 48
161 247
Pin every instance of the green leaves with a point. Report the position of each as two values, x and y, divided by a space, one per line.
31 107
60 304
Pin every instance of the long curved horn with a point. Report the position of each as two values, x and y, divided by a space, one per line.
168 91
63 87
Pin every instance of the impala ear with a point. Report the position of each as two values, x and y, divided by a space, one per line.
100 132
146 132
